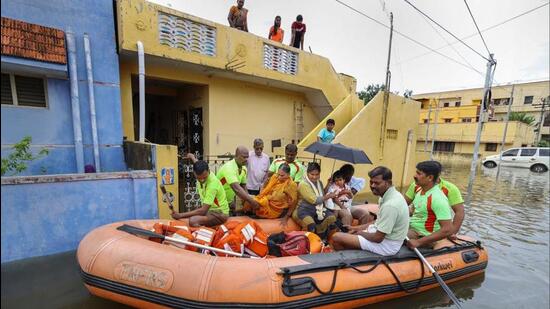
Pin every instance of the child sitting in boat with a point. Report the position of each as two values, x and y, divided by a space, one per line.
278 198
341 205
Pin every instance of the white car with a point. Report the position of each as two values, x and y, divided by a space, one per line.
537 159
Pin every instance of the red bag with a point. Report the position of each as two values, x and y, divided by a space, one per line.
296 243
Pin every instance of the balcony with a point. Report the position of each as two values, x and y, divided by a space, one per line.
209 48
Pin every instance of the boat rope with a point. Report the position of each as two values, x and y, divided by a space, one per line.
414 289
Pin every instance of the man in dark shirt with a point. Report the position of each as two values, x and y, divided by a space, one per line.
298 33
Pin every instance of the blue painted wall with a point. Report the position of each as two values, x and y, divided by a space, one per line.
52 127
46 218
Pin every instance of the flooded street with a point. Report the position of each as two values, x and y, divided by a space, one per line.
509 215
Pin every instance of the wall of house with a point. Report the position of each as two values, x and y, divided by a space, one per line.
52 127
464 135
43 215
234 112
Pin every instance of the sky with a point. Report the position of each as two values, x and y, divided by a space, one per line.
358 46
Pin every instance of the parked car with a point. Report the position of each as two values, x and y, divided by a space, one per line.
537 159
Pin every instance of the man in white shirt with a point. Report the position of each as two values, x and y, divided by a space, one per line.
257 166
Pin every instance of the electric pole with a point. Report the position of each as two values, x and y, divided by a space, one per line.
542 110
386 95
482 114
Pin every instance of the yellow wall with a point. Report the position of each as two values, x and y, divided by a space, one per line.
166 157
138 21
467 97
464 135
455 114
234 112
363 132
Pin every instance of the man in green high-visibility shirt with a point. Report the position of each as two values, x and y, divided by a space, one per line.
214 209
431 218
453 195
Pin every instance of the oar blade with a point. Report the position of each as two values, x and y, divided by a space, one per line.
139 231
447 290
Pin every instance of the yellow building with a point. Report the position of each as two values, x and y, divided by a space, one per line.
456 114
210 88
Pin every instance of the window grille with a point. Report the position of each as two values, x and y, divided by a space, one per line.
280 60
187 35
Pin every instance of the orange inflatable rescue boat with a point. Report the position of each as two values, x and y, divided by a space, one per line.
142 273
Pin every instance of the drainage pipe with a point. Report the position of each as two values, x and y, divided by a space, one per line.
75 104
141 70
91 96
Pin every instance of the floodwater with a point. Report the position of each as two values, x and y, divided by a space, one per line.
510 215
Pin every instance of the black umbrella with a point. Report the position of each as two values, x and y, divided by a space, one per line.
339 152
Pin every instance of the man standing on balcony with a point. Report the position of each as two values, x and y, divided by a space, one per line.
257 166
298 33
238 16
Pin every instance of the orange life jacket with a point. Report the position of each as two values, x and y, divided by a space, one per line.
246 237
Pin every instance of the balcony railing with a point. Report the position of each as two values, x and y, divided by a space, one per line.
187 35
280 59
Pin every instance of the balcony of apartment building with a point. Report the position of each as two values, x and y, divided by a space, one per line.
207 48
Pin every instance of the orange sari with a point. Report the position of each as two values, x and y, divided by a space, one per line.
275 198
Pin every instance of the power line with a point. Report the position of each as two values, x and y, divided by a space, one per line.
403 35
449 32
472 15
484 30
449 44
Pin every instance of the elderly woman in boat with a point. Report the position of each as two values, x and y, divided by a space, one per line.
311 213
278 198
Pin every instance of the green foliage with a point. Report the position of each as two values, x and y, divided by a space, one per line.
16 162
371 90
522 117
543 143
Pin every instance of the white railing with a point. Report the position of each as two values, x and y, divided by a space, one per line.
187 35
280 59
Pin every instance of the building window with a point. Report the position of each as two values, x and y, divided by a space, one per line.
491 147
466 119
444 146
391 134
496 101
425 120
505 101
23 90
446 104
448 120
528 99
546 122
457 104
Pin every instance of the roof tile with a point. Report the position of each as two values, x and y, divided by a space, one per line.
25 40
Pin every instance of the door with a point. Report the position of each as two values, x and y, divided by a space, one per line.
527 157
509 157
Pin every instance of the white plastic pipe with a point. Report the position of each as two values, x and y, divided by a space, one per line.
91 96
141 71
75 105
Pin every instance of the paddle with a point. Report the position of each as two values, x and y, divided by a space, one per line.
167 197
438 278
143 232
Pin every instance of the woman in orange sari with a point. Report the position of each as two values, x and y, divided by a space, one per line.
280 194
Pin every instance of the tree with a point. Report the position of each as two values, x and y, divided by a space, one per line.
16 162
371 90
522 117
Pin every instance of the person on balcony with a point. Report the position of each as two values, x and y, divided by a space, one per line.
238 16
275 32
296 168
278 199
298 33
257 166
